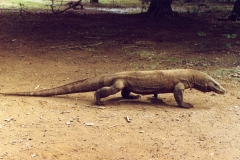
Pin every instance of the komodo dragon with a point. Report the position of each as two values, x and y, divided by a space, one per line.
139 82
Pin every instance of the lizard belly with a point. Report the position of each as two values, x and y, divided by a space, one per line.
149 84
151 90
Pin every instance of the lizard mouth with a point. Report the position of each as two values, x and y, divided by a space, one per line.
215 87
219 91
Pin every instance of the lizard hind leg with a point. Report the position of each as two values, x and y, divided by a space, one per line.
178 95
107 91
126 94
155 96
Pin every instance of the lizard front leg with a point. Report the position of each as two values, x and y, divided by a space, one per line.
178 95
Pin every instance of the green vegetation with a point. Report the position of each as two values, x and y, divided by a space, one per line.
201 34
44 3
217 9
229 37
26 3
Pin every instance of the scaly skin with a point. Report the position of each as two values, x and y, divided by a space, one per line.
139 82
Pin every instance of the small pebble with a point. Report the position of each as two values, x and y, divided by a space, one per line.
89 124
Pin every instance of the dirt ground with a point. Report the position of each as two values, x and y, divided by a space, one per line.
39 51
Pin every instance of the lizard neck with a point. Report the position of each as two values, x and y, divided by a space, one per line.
200 82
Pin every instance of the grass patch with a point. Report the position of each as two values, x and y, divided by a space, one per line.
26 3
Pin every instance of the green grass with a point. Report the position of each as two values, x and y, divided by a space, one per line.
42 3
27 3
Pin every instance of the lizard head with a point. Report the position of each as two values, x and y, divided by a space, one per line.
206 83
215 87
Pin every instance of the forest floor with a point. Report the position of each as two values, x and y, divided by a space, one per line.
39 50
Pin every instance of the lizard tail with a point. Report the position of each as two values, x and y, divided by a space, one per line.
85 85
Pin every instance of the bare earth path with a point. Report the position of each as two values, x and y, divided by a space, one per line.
41 51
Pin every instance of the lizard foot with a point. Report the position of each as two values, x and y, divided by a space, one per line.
99 103
186 105
97 99
155 96
132 97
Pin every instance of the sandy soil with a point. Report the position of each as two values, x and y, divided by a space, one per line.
39 51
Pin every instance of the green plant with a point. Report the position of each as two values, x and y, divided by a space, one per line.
205 65
201 34
195 9
220 72
228 45
134 67
135 53
230 36
21 8
145 54
173 60
90 50
6 12
154 66
192 9
217 8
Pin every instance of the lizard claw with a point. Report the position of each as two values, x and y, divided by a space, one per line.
97 99
186 105
99 103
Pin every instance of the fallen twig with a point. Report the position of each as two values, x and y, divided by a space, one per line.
128 119
72 5
114 125
108 116
98 107
72 47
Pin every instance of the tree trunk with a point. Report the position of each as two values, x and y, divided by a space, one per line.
160 8
236 11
